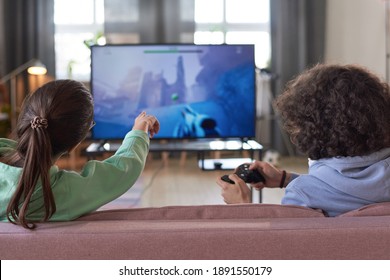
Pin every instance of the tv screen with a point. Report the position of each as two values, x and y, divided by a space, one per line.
196 91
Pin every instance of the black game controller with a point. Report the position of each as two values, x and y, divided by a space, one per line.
248 176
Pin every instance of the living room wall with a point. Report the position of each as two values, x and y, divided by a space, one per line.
355 33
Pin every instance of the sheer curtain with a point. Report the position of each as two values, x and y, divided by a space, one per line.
298 40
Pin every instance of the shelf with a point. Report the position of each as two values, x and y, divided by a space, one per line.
222 163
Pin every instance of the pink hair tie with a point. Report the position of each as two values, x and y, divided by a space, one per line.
38 122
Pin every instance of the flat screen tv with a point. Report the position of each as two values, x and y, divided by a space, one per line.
196 91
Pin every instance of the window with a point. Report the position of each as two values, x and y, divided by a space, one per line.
235 22
216 22
75 28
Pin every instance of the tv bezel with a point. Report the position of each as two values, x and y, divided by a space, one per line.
157 138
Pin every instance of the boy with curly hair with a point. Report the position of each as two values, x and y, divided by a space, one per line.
339 115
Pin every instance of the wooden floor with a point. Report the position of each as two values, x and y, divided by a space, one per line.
177 180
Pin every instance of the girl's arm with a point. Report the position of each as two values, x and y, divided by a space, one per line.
100 181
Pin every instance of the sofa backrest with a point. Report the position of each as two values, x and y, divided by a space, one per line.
237 211
247 231
376 209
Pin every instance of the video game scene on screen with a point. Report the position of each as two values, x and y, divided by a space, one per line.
196 91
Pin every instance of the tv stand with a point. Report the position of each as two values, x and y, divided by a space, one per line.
250 146
222 163
199 146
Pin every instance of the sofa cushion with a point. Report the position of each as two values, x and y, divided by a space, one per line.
376 209
237 211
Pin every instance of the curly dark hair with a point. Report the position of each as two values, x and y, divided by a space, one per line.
336 110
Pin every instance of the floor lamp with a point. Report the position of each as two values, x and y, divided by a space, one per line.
33 67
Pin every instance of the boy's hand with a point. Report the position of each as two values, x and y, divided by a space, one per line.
271 174
235 193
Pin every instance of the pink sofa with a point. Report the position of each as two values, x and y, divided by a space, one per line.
245 231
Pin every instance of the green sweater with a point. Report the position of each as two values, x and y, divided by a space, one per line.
75 193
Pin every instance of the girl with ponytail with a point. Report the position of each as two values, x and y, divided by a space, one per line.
53 121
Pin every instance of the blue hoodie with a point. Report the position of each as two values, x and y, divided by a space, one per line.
341 184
